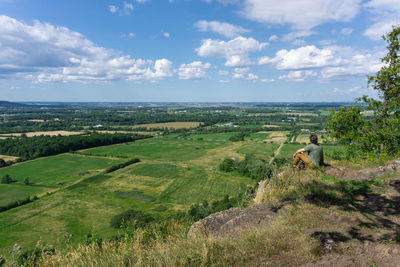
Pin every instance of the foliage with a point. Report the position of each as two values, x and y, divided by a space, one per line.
39 146
227 165
380 132
131 218
26 181
122 165
6 179
239 137
3 163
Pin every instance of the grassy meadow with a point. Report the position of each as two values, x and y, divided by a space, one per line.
173 174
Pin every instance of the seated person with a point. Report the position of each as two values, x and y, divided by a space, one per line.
315 157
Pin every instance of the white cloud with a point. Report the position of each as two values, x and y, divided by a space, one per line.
166 34
356 65
267 80
128 35
194 70
387 13
346 31
113 9
223 28
298 75
124 10
236 51
273 37
243 73
293 36
334 61
224 81
223 72
303 15
302 57
58 54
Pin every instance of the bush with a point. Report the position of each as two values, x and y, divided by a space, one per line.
122 165
131 218
6 179
227 165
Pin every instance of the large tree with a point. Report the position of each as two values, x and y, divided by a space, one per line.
373 125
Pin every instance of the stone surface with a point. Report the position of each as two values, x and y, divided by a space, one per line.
233 220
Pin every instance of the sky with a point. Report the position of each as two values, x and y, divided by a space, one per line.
192 50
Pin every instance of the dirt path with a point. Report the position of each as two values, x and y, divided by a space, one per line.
261 184
276 153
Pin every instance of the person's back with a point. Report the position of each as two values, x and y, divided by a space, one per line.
315 152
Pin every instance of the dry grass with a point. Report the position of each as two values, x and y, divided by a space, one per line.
278 136
275 244
36 120
50 133
270 126
8 158
172 125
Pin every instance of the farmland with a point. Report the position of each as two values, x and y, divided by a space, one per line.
179 165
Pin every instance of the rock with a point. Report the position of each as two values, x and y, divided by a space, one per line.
234 220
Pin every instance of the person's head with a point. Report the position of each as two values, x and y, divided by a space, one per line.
314 138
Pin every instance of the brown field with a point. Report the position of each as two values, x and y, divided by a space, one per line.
36 120
270 126
173 125
278 136
303 138
8 158
128 132
51 133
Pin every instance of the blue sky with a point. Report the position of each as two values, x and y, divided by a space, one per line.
191 50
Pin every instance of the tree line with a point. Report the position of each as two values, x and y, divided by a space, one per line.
40 146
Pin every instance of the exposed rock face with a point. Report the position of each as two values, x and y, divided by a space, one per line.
233 220
346 173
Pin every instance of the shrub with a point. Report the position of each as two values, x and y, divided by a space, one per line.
227 165
131 218
6 179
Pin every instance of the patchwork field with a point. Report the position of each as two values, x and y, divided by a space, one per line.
173 174
7 158
173 125
50 133
277 136
47 174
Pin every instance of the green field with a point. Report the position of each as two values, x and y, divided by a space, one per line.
161 148
260 150
173 174
47 174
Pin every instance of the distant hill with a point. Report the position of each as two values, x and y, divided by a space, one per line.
8 104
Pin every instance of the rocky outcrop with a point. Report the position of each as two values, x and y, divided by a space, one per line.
346 173
233 220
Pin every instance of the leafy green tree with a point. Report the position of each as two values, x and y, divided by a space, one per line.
2 163
373 125
26 181
6 179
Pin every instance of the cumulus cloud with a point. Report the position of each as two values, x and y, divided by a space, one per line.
243 73
387 13
194 70
298 75
222 28
113 9
51 53
301 15
267 80
334 61
236 51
